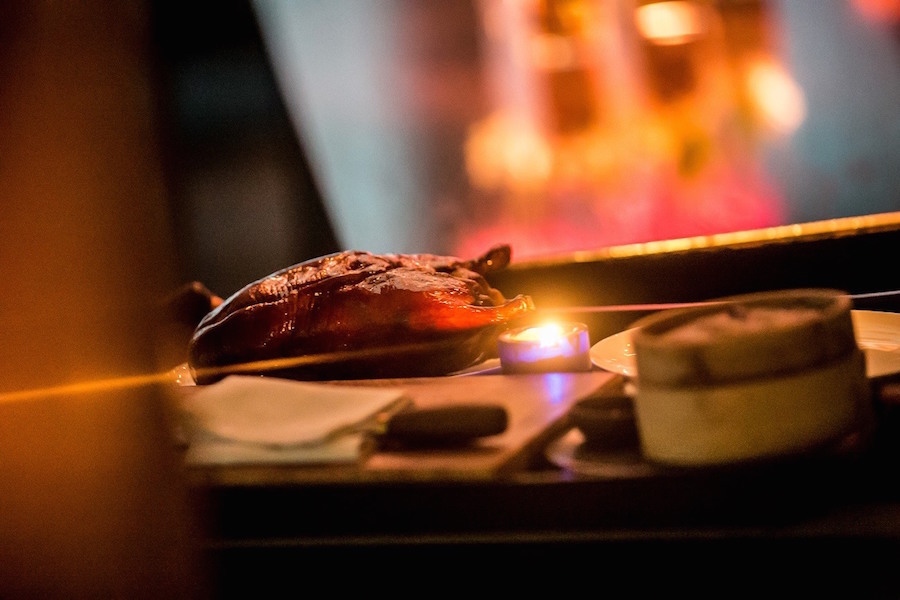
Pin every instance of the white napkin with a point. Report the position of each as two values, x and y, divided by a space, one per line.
251 419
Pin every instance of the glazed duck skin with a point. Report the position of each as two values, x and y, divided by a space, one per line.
358 315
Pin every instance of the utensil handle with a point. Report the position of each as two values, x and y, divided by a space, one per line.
447 424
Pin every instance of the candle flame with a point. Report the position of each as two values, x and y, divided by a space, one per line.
548 334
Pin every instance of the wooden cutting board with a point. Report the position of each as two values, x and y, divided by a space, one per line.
537 406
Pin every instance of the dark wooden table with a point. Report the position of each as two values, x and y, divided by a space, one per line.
820 523
826 524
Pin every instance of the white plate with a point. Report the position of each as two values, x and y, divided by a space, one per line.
616 354
877 333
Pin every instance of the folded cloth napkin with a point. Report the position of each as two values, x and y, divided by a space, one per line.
251 419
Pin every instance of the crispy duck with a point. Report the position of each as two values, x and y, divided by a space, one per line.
358 315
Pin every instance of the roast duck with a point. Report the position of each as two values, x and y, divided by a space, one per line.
359 315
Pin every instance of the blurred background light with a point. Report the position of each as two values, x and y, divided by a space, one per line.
554 125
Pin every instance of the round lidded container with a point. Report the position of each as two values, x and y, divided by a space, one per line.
748 377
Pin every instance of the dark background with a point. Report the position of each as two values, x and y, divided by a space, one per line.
235 169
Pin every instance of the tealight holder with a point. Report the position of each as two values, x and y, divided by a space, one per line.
547 348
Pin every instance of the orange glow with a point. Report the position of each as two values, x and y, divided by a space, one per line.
778 98
90 387
553 52
505 152
669 23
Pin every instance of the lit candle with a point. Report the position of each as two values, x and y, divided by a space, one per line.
545 348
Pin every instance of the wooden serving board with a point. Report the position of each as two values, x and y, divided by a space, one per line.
537 406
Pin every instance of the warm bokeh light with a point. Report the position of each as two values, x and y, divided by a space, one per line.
777 97
505 152
553 53
567 160
672 22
